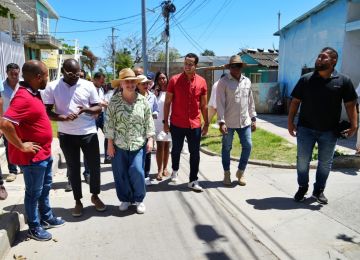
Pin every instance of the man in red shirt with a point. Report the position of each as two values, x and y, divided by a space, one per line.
187 96
28 130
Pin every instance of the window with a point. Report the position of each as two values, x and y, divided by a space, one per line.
43 22
255 77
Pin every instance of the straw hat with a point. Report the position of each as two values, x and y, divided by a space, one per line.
235 59
124 74
143 79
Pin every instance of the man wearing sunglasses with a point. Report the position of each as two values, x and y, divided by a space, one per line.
236 113
76 102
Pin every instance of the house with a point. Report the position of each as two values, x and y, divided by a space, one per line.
334 23
28 23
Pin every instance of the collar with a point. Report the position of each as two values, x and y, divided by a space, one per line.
28 88
192 78
229 76
333 75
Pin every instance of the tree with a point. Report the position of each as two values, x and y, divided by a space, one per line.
208 53
123 60
173 55
89 59
134 45
68 49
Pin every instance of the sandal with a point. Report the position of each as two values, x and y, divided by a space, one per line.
159 176
165 173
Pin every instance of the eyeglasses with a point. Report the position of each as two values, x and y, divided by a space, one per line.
236 66
72 75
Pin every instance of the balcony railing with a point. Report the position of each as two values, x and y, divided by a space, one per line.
45 41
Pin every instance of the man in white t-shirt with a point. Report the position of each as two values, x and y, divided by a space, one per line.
76 103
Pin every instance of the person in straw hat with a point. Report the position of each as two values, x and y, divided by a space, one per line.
236 113
129 126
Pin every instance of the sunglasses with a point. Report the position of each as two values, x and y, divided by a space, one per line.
72 75
235 66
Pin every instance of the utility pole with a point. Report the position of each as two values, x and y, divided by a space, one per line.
144 52
167 9
113 50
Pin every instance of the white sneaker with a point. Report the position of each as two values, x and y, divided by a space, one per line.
174 176
140 207
194 185
124 206
148 181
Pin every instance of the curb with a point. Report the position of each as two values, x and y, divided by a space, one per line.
340 162
12 222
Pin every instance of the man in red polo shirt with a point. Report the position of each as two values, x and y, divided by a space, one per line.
28 130
187 96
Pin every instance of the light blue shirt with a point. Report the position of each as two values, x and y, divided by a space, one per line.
152 100
6 93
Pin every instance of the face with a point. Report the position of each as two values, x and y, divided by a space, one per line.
189 66
13 75
138 71
71 74
235 70
162 80
82 75
128 85
99 81
41 79
324 61
143 87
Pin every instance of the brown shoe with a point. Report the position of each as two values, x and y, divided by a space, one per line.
78 210
99 205
227 178
241 178
11 177
3 193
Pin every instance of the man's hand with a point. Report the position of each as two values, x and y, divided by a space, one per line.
349 132
292 129
69 117
1 133
149 145
223 128
111 151
166 127
82 110
205 130
253 126
30 147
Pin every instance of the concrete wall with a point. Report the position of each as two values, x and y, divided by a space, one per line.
301 44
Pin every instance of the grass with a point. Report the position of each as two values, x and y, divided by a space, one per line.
266 146
54 127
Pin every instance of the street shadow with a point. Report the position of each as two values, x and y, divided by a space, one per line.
351 172
167 185
347 238
107 186
282 203
216 184
106 168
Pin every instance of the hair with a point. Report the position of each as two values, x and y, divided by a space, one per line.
157 75
12 66
98 75
333 53
69 63
31 69
192 55
83 71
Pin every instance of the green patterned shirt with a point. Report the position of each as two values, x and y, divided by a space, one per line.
129 125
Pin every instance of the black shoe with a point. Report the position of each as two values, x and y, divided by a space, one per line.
320 197
300 194
87 178
107 161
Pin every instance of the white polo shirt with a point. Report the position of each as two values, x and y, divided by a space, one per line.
67 100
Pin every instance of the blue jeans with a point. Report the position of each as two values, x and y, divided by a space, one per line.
306 139
38 180
193 137
246 144
128 173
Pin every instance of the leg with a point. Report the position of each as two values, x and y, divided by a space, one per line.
147 161
178 136
166 151
193 138
326 142
227 140
120 165
44 204
136 175
86 170
70 145
305 144
160 156
246 145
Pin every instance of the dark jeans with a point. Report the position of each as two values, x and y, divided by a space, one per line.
1 177
147 161
193 137
306 139
12 167
89 144
38 180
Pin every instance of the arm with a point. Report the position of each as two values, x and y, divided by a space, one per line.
167 104
56 117
220 106
109 130
149 128
252 111
294 106
94 109
204 112
155 108
352 115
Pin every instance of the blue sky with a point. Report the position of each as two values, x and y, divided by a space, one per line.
224 26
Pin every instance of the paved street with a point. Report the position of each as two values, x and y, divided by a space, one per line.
258 221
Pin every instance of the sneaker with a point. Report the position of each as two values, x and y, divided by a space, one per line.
320 197
227 179
87 178
140 207
77 210
300 194
3 193
68 187
124 206
99 205
241 178
148 181
39 234
52 223
11 177
194 185
174 176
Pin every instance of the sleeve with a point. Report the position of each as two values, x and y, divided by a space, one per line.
252 111
171 86
109 125
19 110
47 95
94 96
298 91
349 93
149 121
220 101
212 100
204 88
155 106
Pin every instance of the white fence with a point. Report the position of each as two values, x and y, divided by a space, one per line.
10 52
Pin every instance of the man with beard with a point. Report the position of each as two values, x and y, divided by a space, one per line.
320 94
28 130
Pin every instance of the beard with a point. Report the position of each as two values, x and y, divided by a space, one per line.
322 67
